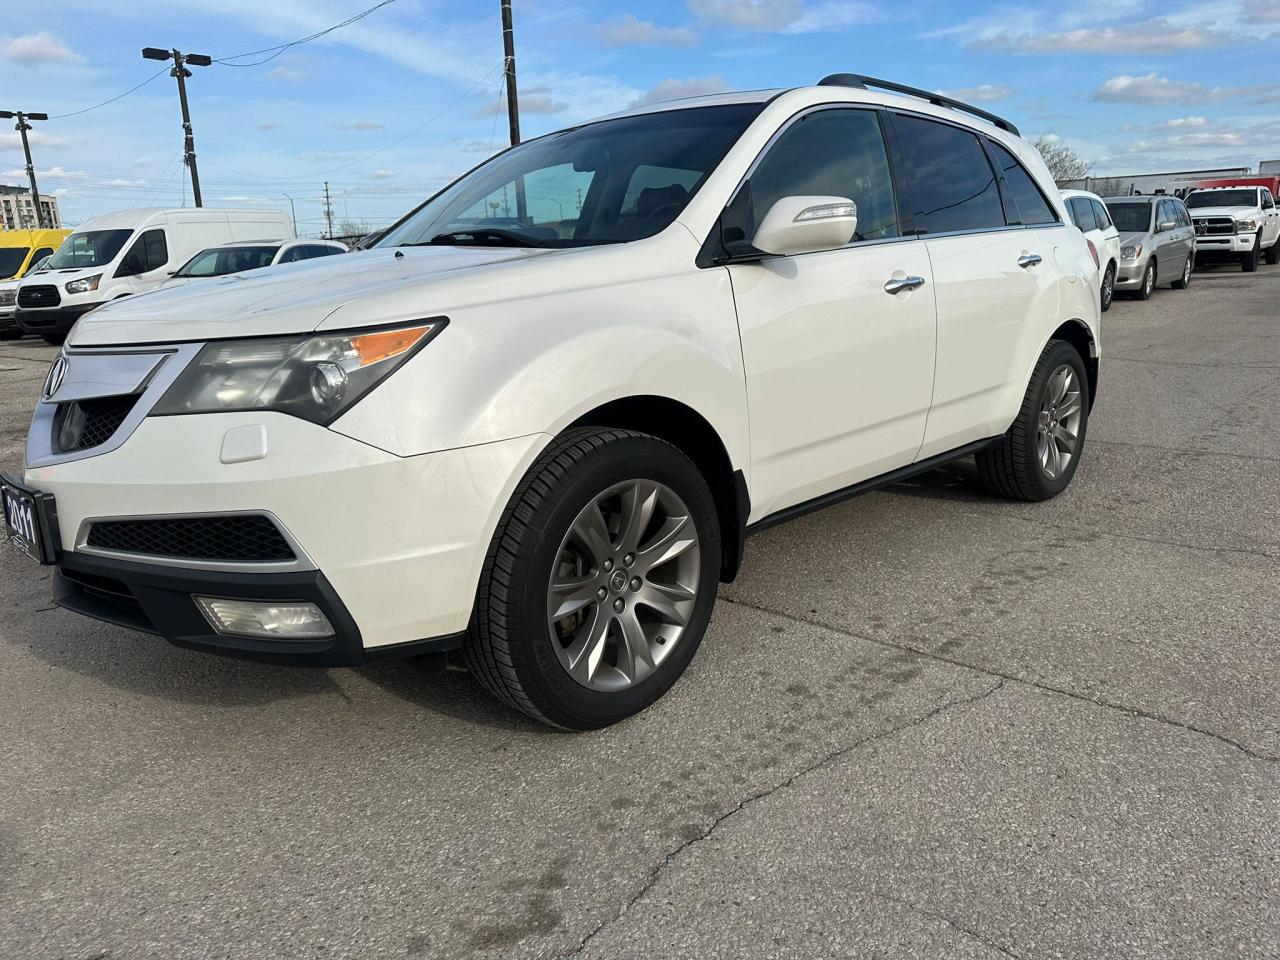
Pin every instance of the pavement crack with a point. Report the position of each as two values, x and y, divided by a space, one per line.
1037 684
955 924
656 873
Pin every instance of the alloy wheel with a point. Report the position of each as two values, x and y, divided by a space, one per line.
1058 432
1186 272
623 585
1149 280
1108 287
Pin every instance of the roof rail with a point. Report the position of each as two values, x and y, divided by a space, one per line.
938 100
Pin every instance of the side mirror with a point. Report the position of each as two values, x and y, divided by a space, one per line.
806 225
1166 225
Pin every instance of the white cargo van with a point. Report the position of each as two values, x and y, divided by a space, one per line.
128 252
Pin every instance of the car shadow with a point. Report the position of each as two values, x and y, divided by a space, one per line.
957 480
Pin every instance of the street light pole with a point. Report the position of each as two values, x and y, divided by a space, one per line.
293 213
181 72
22 128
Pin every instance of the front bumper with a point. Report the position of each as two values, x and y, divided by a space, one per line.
391 547
1217 248
52 319
1129 274
8 319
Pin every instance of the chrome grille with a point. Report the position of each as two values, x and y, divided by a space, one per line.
1214 226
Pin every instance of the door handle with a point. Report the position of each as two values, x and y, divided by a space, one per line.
898 284
1029 259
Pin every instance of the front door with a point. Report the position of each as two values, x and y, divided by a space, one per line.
838 345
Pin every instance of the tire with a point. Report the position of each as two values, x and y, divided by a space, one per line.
1185 280
1013 466
1273 252
1108 292
10 334
1148 281
55 339
515 648
1249 261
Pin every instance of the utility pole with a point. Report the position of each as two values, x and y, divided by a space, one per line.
292 212
513 101
328 211
22 128
181 72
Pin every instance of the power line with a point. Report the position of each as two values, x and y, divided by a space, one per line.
281 48
76 113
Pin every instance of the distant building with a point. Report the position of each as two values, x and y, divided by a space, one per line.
17 213
1269 168
1177 183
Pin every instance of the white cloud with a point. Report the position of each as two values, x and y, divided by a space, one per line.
835 15
1150 36
360 125
749 14
1152 88
679 89
39 141
268 125
1262 11
628 30
382 174
285 73
37 48
987 93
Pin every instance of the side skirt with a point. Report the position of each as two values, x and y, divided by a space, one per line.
865 486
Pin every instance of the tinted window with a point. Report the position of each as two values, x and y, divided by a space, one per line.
1100 214
1267 202
1082 213
1029 204
39 255
155 252
1180 210
219 261
11 260
1130 217
1222 198
319 250
571 188
831 153
954 187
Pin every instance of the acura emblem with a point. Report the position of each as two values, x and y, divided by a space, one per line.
57 373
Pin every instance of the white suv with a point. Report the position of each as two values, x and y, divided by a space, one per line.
539 419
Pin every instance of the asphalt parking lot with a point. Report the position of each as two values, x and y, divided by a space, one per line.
924 724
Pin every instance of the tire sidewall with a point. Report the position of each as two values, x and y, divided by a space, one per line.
1108 288
566 701
1148 280
1056 355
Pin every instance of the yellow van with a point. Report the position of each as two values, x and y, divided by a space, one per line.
20 250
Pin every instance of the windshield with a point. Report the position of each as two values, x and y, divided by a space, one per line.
11 260
1131 217
93 248
1222 198
606 182
223 260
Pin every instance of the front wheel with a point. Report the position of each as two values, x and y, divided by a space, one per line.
1038 456
1108 287
1148 281
600 580
1273 252
1249 261
1183 281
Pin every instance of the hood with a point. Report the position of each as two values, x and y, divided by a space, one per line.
296 297
1128 239
1242 210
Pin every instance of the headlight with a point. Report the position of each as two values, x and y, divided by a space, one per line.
314 377
84 284
1132 252
8 298
1246 226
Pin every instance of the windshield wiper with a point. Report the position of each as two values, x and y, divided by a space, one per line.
481 235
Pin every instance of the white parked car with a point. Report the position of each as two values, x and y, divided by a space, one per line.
1236 223
239 256
1089 213
538 424
128 252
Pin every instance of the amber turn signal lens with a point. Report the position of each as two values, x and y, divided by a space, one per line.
372 347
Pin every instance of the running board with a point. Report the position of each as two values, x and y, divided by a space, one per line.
865 486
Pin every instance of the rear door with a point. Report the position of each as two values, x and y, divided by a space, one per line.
1172 246
839 367
993 272
1270 219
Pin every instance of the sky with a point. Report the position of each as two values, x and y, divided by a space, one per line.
390 108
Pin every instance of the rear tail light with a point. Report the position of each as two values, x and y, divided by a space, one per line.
1093 252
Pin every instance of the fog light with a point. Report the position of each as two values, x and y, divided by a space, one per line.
271 621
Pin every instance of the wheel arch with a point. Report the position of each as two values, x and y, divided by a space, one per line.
687 429
1078 334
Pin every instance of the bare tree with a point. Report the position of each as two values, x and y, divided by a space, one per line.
1063 162
351 228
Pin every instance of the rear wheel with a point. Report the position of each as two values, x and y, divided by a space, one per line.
1183 281
1249 261
1148 280
1108 287
1038 456
600 581
1273 252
